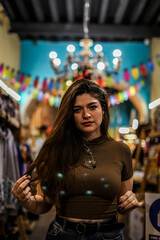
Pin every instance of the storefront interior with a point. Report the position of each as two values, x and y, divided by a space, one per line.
47 45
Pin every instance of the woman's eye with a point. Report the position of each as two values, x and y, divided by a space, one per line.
76 110
93 107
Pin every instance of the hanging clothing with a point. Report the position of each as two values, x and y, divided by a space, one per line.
9 173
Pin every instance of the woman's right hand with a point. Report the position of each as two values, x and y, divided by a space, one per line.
33 203
21 189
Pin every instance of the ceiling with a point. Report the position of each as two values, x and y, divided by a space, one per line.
110 20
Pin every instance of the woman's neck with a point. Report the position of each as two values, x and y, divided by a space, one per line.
91 137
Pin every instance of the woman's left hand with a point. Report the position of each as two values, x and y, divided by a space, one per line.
128 202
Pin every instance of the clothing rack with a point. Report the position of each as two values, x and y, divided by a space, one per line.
19 219
153 134
13 121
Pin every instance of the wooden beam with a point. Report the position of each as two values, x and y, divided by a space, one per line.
103 11
38 10
121 11
22 10
54 10
76 30
137 11
150 12
70 11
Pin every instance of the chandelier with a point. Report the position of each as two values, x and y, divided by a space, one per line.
87 64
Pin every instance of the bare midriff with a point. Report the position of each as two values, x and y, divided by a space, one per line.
84 220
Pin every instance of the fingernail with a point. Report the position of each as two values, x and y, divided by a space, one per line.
27 175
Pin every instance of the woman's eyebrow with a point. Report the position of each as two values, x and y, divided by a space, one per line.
92 103
77 106
89 104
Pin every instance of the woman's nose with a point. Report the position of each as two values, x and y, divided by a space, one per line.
86 113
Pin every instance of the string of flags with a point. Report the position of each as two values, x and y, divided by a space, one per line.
51 90
122 96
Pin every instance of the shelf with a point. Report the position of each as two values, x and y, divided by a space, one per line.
152 158
13 121
154 134
138 176
137 181
152 182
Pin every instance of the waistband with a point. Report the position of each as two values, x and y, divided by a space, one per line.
87 227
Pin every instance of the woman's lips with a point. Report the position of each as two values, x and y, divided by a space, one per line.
87 123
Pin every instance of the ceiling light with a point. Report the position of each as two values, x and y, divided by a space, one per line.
3 85
124 130
130 136
154 103
13 94
10 91
135 124
146 41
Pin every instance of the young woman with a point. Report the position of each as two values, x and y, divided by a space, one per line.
81 170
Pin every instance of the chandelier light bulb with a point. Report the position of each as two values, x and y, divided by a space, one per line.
52 54
70 48
74 66
57 61
100 65
90 44
81 44
115 61
98 48
117 53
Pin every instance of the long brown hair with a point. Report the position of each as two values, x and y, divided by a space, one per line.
63 147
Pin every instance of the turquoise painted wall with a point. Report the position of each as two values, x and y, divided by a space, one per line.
35 61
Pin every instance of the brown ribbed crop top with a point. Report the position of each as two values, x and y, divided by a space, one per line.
92 193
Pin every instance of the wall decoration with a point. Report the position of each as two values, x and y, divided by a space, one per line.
56 86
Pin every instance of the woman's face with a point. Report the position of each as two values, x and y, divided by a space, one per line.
88 114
